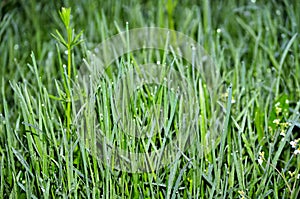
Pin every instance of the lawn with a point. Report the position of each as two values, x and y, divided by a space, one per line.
149 99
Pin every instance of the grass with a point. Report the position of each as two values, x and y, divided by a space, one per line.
48 118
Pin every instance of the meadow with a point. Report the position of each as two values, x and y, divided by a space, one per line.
61 132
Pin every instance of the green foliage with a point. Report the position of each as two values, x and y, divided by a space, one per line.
72 40
43 150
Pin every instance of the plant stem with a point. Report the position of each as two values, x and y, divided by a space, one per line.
68 113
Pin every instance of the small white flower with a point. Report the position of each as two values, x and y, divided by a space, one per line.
297 151
282 133
286 124
241 192
260 160
291 173
262 154
287 101
298 176
278 110
293 143
276 121
261 157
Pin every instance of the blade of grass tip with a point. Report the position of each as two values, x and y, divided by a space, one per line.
14 193
9 134
128 43
231 177
213 164
168 124
213 189
84 160
276 190
48 121
283 142
37 144
26 113
35 71
176 186
5 22
47 190
172 175
27 185
42 136
238 159
226 185
166 50
224 134
287 48
91 133
203 114
238 168
117 27
253 35
22 161
247 145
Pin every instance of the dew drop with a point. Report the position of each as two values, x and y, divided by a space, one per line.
16 46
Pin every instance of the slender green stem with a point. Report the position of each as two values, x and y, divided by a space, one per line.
68 113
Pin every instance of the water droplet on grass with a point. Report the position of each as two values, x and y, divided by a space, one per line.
16 46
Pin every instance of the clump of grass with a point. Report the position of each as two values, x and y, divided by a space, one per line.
255 49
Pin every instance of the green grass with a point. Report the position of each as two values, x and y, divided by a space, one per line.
47 120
